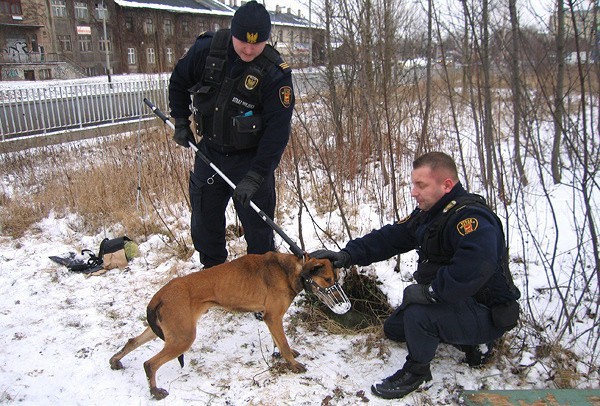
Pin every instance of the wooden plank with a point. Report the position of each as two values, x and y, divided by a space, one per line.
533 397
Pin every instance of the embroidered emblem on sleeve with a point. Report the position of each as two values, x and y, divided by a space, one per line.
285 95
467 226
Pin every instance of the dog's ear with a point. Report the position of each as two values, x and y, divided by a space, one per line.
311 267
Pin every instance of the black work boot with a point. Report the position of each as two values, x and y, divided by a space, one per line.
403 382
475 355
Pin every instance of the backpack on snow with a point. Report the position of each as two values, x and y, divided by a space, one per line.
113 253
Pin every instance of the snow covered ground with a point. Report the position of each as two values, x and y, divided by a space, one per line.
60 329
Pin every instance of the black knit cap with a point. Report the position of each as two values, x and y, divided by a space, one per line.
251 23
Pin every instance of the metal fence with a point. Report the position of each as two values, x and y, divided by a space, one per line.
62 107
67 105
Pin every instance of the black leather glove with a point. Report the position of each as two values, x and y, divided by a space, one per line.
340 259
183 133
247 187
417 293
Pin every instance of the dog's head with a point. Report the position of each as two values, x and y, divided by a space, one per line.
320 271
319 277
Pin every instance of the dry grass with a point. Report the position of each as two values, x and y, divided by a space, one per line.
100 183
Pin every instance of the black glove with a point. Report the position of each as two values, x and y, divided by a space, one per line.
183 133
247 187
340 259
417 293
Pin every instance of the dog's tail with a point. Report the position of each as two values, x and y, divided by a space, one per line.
152 315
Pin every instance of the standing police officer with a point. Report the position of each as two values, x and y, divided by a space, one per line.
464 293
243 101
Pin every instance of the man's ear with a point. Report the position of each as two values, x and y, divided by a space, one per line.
448 184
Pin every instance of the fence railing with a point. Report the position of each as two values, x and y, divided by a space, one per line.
41 110
30 57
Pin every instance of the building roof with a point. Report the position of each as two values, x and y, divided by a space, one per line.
288 19
213 7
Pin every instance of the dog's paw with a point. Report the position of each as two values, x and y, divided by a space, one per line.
115 364
159 393
297 367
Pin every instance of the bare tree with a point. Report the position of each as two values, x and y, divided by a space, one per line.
516 90
559 108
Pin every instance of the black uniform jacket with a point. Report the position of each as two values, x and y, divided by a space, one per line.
475 238
275 112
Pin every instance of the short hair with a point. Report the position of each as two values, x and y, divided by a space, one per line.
437 161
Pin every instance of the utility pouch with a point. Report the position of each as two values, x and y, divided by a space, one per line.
213 70
505 315
247 131
205 98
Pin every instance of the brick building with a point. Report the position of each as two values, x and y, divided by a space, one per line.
43 39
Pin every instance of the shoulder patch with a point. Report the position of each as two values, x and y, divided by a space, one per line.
467 226
449 206
404 220
285 96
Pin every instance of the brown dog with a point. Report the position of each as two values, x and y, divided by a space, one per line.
265 283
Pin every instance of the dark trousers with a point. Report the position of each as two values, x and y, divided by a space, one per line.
209 196
423 327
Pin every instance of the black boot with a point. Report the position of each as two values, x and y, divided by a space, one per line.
403 382
474 356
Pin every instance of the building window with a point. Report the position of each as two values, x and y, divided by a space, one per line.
85 43
151 55
104 45
169 52
10 7
65 43
168 26
44 74
185 28
101 11
59 8
148 26
291 37
129 24
81 11
131 59
279 36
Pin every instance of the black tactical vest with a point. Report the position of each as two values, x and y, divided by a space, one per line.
433 253
227 110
